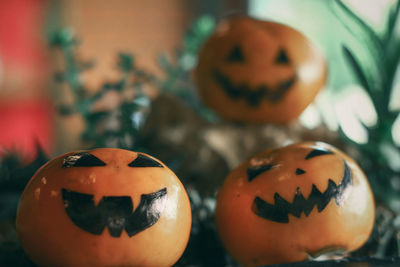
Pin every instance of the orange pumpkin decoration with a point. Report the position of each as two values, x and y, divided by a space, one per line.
259 71
105 207
285 204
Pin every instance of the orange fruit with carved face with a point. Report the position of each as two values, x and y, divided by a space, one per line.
259 71
104 207
285 204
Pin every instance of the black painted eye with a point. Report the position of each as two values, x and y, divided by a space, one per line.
318 152
144 161
82 159
254 171
236 55
282 58
300 171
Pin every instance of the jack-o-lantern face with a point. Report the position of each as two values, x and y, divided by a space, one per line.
285 204
259 71
106 207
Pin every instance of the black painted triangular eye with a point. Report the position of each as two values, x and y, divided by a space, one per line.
282 58
300 171
236 55
144 161
254 171
82 159
318 152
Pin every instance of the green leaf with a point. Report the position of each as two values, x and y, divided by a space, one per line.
62 38
83 106
197 33
353 22
126 62
392 21
205 25
164 62
368 38
358 70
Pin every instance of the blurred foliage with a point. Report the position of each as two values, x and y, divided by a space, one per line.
132 78
178 68
14 175
130 112
376 72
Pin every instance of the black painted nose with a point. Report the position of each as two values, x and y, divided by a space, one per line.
300 171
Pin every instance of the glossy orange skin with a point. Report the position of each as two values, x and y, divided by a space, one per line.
255 241
260 43
50 238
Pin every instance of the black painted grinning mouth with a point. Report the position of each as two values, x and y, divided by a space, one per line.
279 211
114 212
253 97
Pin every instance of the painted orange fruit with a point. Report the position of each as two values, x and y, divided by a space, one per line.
104 207
251 70
285 204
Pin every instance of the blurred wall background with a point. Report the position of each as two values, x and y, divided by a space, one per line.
146 29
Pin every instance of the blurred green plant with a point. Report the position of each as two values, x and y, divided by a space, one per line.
375 62
14 175
178 67
132 78
130 113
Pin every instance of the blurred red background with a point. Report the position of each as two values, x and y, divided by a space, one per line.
25 109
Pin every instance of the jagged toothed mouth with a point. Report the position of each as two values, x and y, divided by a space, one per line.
114 212
280 210
254 96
